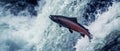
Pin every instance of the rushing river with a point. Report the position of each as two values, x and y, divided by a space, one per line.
32 30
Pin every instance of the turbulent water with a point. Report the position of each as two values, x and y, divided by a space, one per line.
106 23
30 29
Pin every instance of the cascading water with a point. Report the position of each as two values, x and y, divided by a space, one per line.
106 23
24 32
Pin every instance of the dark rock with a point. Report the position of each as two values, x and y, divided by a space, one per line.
115 48
92 8
16 6
112 42
33 2
118 40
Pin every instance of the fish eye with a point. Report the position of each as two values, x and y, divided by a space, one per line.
54 17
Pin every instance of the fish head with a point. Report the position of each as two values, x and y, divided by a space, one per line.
54 18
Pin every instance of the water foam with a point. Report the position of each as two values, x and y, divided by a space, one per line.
105 23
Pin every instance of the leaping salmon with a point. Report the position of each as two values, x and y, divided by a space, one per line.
71 24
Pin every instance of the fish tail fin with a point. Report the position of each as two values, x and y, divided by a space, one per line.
90 37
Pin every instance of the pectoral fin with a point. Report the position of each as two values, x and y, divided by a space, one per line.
82 35
60 25
70 31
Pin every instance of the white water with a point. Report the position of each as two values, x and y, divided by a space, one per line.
19 33
106 23
41 34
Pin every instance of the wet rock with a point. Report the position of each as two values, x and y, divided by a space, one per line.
94 7
16 6
33 2
115 48
112 42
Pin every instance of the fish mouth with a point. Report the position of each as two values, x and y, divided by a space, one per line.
52 17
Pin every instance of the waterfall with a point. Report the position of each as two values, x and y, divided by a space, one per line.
29 28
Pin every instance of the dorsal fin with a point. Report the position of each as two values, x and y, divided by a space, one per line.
74 19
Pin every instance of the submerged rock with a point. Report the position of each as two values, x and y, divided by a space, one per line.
112 42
